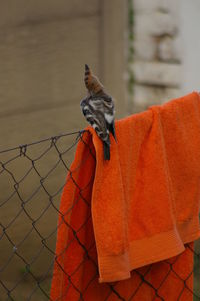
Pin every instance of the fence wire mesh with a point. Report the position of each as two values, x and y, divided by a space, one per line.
32 178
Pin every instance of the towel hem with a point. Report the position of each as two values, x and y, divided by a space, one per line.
163 246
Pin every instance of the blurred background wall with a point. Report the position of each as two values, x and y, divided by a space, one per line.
45 44
189 28
157 52
43 48
166 50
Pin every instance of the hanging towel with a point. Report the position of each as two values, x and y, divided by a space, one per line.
144 202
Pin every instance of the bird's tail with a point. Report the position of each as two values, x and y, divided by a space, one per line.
106 150
92 83
111 128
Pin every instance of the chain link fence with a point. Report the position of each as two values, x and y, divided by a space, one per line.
32 178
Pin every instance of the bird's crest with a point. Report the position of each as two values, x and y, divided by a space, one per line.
92 83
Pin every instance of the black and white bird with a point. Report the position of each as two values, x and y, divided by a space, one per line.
98 109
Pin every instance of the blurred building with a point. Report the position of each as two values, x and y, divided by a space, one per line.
45 44
43 48
166 50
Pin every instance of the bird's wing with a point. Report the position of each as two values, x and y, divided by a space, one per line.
93 112
109 112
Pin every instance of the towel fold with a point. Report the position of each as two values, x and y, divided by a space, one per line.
149 194
144 202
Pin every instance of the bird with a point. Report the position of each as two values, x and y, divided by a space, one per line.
98 109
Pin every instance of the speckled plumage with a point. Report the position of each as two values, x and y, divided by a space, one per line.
98 109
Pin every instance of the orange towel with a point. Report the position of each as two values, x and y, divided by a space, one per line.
144 203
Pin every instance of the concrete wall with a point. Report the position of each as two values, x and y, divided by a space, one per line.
189 28
43 48
166 60
157 57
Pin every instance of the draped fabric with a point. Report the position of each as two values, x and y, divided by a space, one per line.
134 216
